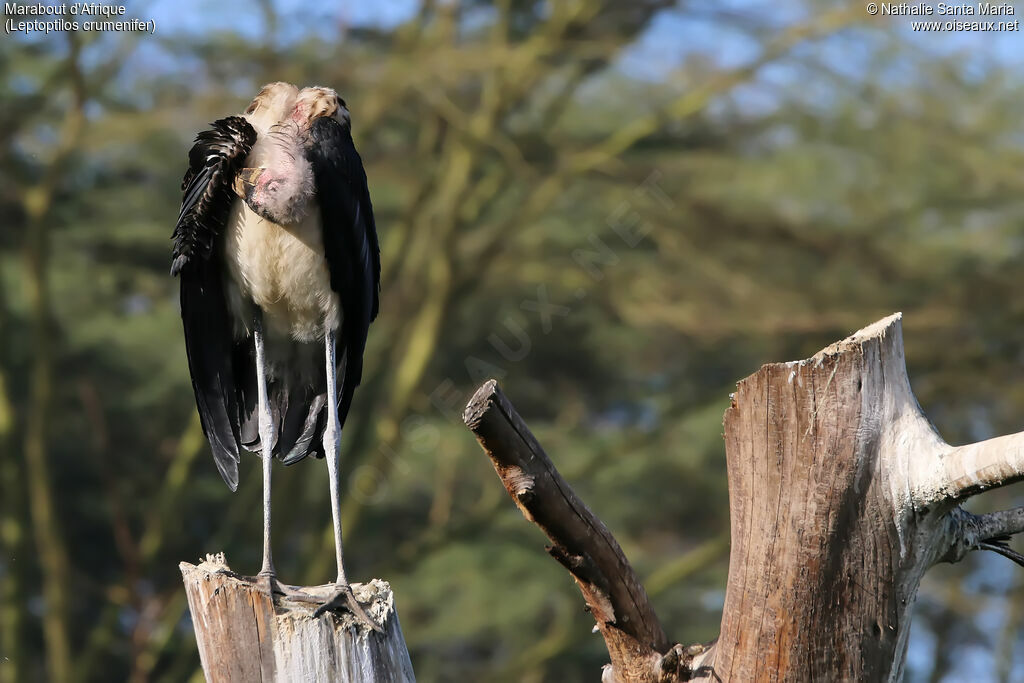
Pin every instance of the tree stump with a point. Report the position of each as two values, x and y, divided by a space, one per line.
243 636
841 495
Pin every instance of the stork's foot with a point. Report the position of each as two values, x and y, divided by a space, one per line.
267 583
345 599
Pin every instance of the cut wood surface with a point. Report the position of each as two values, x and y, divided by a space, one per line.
243 636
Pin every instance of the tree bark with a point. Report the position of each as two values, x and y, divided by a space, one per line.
244 636
826 554
841 496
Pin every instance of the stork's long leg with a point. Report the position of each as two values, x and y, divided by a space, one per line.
266 427
332 452
332 446
268 575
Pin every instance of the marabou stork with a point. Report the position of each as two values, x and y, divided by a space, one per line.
279 267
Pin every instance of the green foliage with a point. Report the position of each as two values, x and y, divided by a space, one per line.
688 228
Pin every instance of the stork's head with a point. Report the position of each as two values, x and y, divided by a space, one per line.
272 103
312 103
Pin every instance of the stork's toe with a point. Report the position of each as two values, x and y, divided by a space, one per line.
344 599
268 584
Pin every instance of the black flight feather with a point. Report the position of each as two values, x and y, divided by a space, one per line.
197 258
353 258
223 368
214 160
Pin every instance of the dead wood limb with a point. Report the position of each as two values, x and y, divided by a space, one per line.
579 540
970 469
1002 523
966 532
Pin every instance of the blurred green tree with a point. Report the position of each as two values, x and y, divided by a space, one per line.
688 216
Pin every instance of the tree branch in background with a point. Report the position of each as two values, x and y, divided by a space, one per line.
12 532
432 263
37 202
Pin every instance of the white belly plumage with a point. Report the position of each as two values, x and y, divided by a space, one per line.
282 270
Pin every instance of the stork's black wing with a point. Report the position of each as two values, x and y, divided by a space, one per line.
198 259
350 243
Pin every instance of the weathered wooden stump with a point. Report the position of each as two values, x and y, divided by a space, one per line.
243 636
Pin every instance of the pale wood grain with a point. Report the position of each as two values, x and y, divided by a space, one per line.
243 636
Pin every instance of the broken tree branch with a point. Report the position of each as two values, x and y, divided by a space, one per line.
1002 523
967 532
973 468
580 541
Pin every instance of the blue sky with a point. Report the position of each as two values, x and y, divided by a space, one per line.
669 41
672 37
